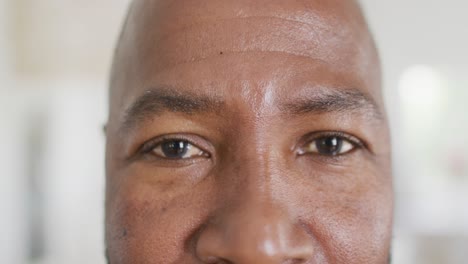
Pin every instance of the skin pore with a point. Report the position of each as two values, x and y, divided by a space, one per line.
247 132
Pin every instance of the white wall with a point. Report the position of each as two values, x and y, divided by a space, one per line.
12 148
423 45
54 57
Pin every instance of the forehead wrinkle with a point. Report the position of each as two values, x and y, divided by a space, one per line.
322 24
178 15
300 10
192 45
227 53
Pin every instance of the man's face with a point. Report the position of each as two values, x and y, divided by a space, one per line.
247 132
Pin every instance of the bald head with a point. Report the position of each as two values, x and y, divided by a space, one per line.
182 32
247 132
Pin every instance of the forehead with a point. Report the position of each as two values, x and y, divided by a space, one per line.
259 45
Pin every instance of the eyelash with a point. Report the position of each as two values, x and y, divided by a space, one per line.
329 159
352 139
149 146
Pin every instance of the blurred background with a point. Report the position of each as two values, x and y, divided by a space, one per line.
54 63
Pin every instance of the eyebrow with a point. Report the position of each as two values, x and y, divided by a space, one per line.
167 99
323 100
327 100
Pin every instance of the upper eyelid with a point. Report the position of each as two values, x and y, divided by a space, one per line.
150 145
331 157
357 142
202 154
351 138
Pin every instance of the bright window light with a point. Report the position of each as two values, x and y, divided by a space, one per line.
421 87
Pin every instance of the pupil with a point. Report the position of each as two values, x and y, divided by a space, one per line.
174 149
329 146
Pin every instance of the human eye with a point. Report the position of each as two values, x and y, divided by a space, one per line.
330 144
174 149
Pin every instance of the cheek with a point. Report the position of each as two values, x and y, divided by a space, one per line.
351 222
144 224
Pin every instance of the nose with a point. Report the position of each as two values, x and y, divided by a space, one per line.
254 232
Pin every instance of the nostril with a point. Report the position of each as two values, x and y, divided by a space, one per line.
294 261
216 260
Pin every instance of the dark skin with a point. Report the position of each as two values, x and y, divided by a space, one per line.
247 132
